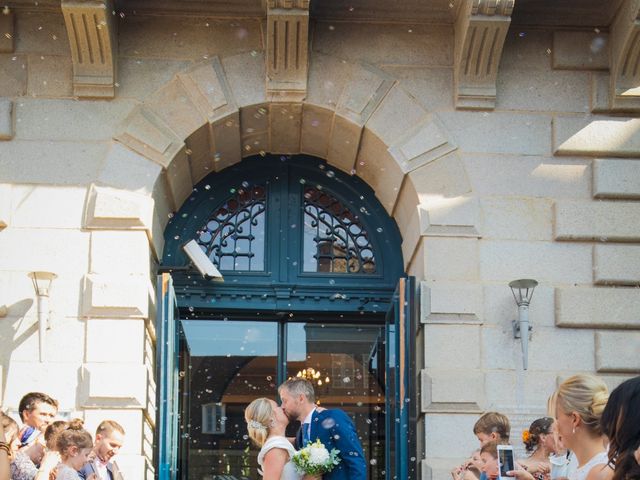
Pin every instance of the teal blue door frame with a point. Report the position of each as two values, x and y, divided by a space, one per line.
282 284
166 446
402 334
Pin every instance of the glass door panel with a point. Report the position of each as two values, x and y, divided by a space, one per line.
224 366
346 365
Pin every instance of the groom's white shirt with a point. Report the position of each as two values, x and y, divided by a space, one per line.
307 420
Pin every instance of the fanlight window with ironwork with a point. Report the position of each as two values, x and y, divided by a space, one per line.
291 223
286 233
335 240
234 235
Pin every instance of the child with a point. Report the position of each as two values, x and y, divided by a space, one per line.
492 427
489 456
470 469
74 446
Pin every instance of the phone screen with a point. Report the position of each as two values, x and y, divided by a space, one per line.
505 458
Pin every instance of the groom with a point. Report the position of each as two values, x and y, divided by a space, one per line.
333 427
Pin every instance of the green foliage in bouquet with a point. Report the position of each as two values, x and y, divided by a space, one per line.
315 459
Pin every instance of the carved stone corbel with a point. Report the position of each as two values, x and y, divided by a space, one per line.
480 31
624 90
92 37
287 49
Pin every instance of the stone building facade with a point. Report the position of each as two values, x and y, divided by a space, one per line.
502 137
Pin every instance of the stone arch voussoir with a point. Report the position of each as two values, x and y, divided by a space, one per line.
355 116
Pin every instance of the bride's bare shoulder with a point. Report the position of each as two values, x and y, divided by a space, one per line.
275 453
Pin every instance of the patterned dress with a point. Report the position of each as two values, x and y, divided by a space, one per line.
22 468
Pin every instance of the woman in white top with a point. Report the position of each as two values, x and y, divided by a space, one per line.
580 401
266 424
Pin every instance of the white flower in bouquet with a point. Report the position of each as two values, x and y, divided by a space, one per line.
318 456
315 459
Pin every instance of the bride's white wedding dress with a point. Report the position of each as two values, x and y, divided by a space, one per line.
289 472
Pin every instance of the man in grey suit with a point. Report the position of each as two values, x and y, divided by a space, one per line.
109 440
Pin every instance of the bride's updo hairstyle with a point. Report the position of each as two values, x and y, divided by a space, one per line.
587 396
259 415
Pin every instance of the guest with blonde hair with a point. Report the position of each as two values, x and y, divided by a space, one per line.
563 462
580 401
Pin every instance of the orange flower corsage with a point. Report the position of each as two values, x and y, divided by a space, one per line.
525 436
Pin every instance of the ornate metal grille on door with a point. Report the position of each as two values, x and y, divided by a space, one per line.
341 243
234 235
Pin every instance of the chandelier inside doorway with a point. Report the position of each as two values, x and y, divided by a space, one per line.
313 376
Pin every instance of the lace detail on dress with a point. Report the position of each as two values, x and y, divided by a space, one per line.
22 468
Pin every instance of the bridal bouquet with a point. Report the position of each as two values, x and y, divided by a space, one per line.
315 459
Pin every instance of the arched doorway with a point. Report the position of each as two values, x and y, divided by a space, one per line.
214 114
310 260
280 227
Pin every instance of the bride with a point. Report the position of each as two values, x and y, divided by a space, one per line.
266 423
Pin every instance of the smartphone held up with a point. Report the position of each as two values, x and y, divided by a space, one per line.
506 461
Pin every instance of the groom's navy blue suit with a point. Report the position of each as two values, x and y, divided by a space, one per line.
335 429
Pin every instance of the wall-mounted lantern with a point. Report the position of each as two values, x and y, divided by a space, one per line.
522 292
42 286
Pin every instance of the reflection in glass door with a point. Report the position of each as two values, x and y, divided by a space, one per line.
346 365
224 365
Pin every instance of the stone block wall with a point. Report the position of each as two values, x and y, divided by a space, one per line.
98 350
74 202
552 210
538 188
94 351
